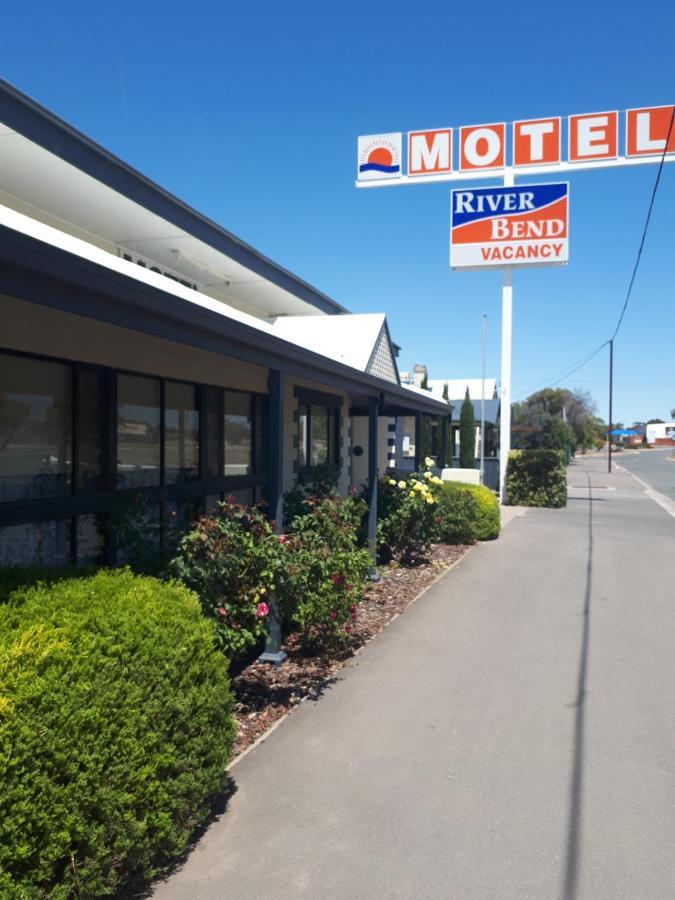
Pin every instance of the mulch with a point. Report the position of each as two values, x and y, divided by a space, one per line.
265 693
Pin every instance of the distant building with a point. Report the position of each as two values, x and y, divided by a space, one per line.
660 433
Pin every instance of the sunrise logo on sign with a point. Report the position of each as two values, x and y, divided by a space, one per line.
379 156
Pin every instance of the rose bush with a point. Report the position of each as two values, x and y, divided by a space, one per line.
406 515
321 580
232 559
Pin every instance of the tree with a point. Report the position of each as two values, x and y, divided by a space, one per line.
467 435
557 418
448 443
425 382
658 421
425 438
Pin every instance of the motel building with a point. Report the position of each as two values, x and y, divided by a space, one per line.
149 357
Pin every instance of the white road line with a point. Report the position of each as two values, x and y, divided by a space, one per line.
662 500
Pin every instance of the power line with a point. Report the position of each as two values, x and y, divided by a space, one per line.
644 231
565 373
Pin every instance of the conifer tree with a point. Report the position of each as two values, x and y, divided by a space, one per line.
467 435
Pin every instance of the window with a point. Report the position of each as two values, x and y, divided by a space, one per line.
318 428
181 432
238 434
35 428
36 543
138 431
90 433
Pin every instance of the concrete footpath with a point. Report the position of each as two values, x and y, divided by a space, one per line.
512 735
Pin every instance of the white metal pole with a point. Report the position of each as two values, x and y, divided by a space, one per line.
482 398
507 320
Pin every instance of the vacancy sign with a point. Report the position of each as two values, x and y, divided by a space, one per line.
591 140
509 226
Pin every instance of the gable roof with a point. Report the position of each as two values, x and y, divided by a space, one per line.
360 340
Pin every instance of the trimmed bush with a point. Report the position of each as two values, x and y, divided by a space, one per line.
323 568
488 521
231 559
115 729
536 478
456 516
14 577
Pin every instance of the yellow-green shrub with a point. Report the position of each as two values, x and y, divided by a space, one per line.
115 729
486 523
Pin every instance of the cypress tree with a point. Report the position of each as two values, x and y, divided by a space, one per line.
448 425
467 435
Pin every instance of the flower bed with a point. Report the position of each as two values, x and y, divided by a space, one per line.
264 694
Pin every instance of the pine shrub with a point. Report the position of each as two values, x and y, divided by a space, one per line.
115 729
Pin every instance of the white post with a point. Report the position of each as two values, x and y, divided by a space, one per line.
507 318
482 398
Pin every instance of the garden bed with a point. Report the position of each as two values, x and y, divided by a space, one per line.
265 693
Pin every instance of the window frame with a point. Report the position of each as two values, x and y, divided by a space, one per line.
100 501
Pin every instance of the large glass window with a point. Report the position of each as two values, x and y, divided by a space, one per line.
181 432
36 543
238 434
138 431
35 428
214 431
91 421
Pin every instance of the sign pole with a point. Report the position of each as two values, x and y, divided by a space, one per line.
611 391
507 324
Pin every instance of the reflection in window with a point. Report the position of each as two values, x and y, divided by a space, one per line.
90 429
89 540
214 431
138 439
320 435
36 544
35 428
316 436
303 436
238 434
181 432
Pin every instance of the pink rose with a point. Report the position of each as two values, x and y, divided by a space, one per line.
261 610
221 611
332 616
283 538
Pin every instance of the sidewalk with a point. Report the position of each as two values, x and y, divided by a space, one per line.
509 737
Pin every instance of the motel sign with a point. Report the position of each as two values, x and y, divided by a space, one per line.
511 226
529 146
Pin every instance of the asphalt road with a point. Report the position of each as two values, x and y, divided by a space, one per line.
656 467
510 736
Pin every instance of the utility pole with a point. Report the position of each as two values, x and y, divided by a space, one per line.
609 426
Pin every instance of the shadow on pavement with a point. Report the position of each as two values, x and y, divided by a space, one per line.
574 819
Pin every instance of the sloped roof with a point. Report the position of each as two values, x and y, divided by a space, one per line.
360 340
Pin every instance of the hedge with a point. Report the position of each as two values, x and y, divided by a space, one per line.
486 522
536 478
115 729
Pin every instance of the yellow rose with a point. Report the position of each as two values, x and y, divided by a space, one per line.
392 482
428 475
428 462
402 485
430 500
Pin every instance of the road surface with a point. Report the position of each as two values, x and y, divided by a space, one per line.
511 736
655 467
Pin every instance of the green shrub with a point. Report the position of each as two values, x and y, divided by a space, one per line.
536 478
455 516
467 434
317 482
487 518
323 569
115 729
231 560
13 577
405 512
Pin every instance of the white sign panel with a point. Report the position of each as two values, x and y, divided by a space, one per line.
509 226
379 156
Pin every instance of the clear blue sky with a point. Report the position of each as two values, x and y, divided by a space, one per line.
250 112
